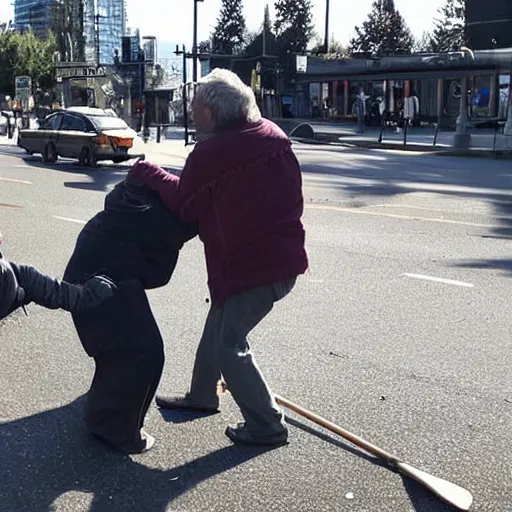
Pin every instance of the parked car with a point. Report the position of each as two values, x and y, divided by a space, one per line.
87 134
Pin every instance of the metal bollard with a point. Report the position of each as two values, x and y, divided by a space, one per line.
406 128
436 134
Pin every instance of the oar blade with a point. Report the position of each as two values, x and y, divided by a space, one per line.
447 491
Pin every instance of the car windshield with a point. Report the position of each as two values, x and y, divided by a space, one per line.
108 123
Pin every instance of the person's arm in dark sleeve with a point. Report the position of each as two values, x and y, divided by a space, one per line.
55 294
159 180
187 196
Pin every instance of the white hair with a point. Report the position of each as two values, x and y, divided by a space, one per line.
232 102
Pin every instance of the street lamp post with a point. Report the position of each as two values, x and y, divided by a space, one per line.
194 43
326 42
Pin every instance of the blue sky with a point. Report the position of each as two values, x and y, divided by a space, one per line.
171 20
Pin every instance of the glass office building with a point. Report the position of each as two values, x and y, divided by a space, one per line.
90 52
102 24
111 28
33 15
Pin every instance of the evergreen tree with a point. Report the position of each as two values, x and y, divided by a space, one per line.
256 47
336 49
293 25
204 46
229 35
384 33
449 32
423 44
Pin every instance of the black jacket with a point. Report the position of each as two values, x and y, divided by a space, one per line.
134 237
135 241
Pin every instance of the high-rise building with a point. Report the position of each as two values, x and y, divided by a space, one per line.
89 31
35 15
111 20
101 24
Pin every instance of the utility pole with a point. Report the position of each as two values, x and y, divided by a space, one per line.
97 38
194 43
183 52
326 42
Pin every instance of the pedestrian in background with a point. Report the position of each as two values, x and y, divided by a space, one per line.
360 108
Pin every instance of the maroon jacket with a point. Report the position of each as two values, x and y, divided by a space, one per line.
244 188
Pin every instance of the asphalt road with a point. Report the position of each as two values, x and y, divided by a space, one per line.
400 333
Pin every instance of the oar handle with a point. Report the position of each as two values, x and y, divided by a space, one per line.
358 441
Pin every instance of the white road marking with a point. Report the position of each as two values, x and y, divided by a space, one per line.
68 219
411 207
397 216
440 280
12 180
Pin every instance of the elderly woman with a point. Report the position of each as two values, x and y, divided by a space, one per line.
243 185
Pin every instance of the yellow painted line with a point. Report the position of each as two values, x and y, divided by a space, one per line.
11 180
359 211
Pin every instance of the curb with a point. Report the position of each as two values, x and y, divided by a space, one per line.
411 148
369 145
477 153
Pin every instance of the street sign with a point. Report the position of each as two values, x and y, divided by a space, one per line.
78 71
302 63
23 90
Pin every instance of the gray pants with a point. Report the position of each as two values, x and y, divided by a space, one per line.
224 349
360 124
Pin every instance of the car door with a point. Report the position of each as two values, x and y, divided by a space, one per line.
47 133
70 136
77 136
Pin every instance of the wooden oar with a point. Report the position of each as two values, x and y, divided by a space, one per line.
447 491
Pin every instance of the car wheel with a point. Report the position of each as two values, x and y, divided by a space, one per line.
86 157
50 154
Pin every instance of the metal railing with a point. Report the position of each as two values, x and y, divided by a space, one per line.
498 126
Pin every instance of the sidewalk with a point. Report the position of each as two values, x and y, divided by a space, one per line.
169 153
5 141
483 142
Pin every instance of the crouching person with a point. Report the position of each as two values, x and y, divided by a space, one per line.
137 241
21 284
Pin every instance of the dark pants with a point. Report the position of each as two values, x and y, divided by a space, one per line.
123 338
224 349
122 389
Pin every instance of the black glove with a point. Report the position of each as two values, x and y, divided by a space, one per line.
96 290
